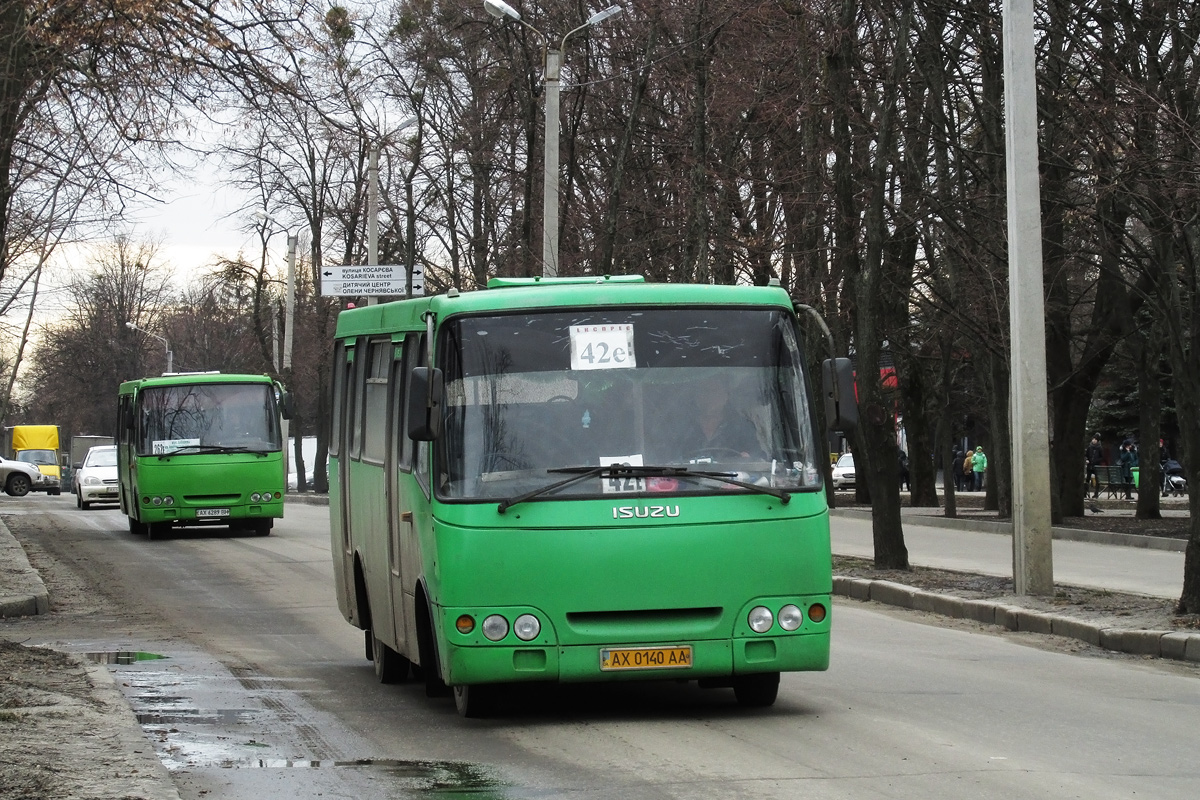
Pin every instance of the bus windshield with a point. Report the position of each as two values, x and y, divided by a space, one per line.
208 417
701 390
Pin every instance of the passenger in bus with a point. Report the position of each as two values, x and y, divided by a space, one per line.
717 429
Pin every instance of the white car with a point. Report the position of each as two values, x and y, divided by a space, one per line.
843 472
96 478
18 478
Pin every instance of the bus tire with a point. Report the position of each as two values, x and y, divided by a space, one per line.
390 666
475 701
756 691
137 528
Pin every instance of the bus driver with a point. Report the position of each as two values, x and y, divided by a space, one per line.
717 428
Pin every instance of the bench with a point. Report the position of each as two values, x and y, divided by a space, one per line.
1110 481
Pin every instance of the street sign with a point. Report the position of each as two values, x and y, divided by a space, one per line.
370 281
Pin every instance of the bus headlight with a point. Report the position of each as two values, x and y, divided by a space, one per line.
495 627
760 619
790 617
168 500
527 627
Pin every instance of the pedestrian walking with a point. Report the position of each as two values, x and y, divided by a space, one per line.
1094 456
955 468
979 468
904 484
1127 462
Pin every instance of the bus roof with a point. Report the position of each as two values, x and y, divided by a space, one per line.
516 294
186 378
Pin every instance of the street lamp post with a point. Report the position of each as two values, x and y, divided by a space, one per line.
499 9
289 310
289 306
166 344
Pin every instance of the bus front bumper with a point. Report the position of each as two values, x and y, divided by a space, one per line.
580 663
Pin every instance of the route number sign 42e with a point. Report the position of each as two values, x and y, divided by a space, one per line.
604 346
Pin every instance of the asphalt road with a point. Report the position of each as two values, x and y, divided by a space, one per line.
264 692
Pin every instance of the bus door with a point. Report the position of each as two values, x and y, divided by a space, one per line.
344 420
401 534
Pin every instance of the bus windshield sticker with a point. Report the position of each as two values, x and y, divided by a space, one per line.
623 484
163 446
607 346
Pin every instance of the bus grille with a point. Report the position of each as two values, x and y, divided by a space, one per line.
653 623
212 498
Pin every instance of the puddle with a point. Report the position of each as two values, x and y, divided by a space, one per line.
197 716
446 779
122 657
201 716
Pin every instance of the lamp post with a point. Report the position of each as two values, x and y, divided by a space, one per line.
166 344
289 309
289 306
499 9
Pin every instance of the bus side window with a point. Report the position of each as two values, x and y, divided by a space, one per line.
375 395
339 390
354 393
415 343
399 383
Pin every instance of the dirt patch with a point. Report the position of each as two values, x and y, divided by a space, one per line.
57 731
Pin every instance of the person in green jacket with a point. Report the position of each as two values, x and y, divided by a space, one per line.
978 467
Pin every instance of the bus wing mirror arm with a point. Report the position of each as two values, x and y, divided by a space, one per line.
425 404
837 381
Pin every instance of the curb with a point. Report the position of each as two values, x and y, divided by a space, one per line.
1177 645
151 780
989 526
306 498
28 596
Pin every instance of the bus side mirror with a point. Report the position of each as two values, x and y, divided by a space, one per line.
287 405
837 386
424 404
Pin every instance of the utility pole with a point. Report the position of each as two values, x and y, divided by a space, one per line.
1033 568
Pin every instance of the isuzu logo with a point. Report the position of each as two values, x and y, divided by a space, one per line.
644 512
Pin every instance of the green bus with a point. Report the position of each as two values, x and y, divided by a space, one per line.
581 479
201 449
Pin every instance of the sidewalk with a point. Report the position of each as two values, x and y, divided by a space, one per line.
1091 559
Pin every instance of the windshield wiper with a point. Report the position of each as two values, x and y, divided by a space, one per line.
204 449
628 471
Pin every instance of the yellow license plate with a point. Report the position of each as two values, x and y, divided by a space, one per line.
625 658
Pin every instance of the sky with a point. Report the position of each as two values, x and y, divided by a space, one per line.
194 226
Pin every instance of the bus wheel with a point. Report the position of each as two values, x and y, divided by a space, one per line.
756 691
475 701
137 528
261 527
390 666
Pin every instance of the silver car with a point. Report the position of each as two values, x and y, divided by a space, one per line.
96 480
19 479
843 472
